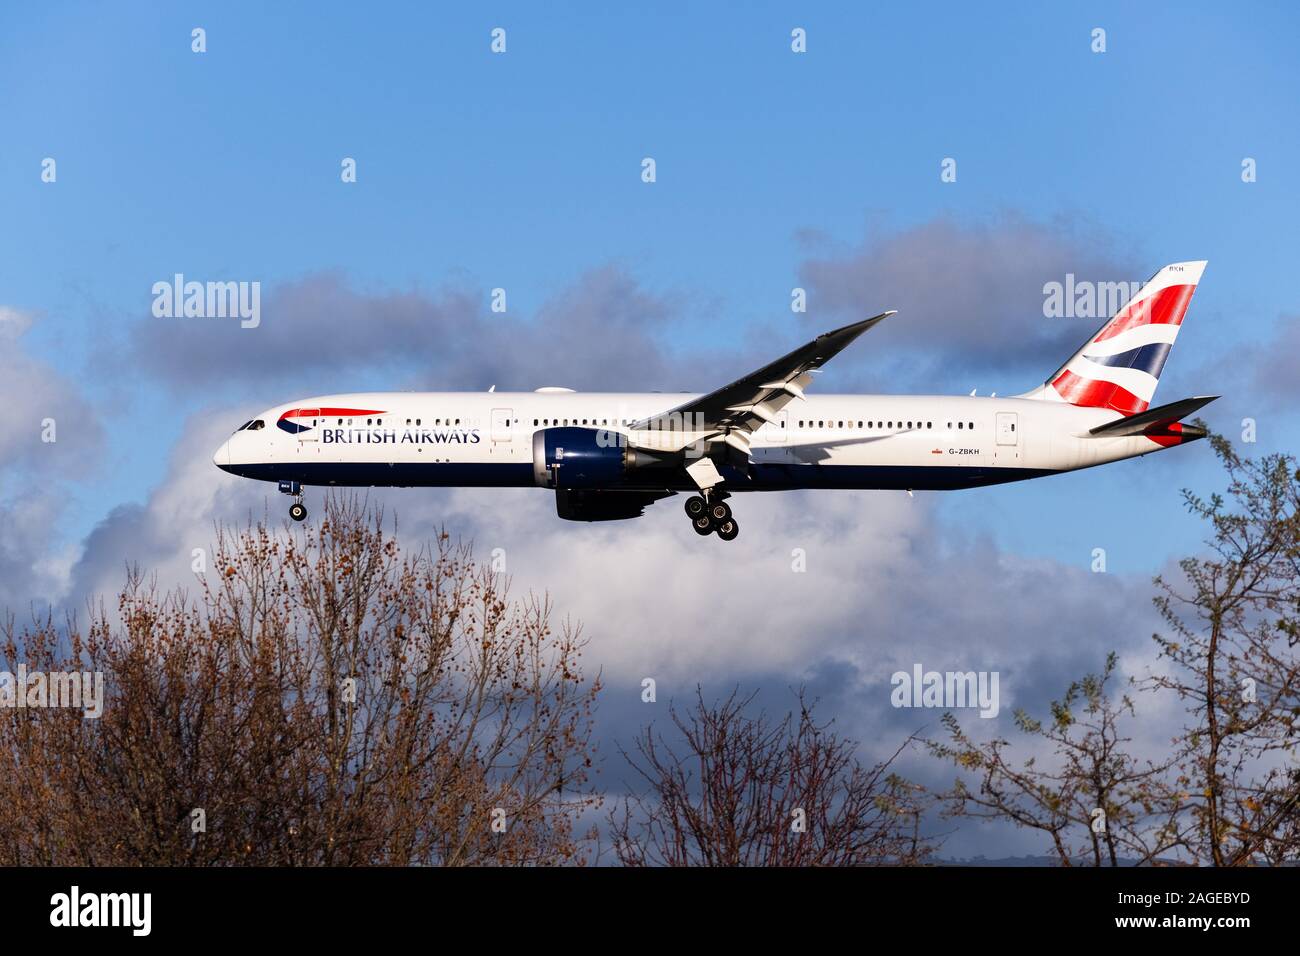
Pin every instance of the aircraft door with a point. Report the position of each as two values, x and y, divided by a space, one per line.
1007 434
500 427
1007 449
311 422
777 428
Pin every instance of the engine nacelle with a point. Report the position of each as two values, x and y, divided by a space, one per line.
583 457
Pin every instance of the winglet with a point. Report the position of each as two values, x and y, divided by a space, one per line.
857 328
839 338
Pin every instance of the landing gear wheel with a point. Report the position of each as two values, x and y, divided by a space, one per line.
297 511
702 525
728 530
720 512
695 506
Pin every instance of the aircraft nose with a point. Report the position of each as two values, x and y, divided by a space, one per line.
222 456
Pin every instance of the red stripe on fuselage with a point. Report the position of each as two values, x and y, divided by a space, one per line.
327 412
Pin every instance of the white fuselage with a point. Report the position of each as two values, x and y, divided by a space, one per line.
822 441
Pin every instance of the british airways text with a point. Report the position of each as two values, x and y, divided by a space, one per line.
391 436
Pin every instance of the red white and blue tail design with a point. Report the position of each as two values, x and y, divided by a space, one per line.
1119 367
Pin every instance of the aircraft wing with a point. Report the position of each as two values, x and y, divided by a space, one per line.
750 402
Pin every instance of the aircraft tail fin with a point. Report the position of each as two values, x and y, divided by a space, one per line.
1120 366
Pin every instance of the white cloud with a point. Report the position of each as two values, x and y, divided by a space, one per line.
40 403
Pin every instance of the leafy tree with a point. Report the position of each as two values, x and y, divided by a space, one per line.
1229 651
743 789
326 700
1094 799
1228 792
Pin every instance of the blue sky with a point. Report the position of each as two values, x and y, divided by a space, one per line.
774 170
522 171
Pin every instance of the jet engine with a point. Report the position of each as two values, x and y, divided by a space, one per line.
584 458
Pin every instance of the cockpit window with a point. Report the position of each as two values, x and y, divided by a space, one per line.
243 426
251 426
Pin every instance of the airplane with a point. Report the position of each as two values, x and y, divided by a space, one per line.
608 456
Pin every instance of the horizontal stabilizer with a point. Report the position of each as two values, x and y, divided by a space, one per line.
1153 419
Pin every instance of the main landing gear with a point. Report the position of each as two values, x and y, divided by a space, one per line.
297 510
709 513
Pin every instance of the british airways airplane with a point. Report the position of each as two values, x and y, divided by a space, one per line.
608 456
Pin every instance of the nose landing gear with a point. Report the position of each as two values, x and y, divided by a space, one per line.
709 513
297 510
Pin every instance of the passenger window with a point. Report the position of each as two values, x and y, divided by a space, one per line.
841 424
959 424
970 425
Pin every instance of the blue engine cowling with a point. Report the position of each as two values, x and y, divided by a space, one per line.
580 457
